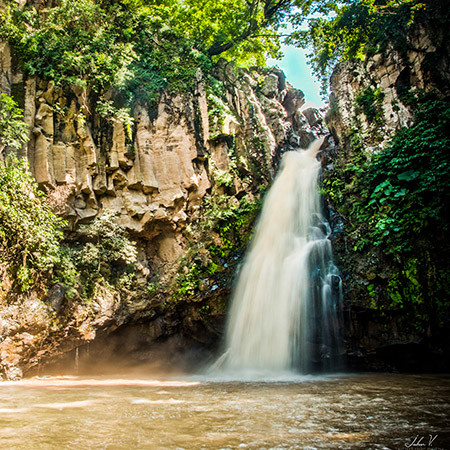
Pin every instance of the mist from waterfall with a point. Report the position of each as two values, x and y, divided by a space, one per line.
287 301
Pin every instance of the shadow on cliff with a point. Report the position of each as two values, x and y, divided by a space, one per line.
127 354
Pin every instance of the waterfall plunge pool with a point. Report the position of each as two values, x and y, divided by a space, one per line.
367 411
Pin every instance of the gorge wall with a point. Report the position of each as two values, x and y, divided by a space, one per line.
371 102
181 184
184 181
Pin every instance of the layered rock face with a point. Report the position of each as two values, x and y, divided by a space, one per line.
369 101
384 79
157 176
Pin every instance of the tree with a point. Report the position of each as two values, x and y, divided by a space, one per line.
350 29
29 231
13 130
141 45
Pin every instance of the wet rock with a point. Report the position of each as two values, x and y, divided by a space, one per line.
313 116
293 101
56 296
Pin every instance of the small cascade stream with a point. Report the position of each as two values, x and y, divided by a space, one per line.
286 305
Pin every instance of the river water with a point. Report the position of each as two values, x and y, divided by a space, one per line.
367 411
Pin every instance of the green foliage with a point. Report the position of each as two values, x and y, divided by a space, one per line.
400 192
103 253
107 243
420 291
31 236
73 43
13 131
406 285
29 231
223 178
406 186
234 224
95 45
217 109
352 29
189 283
166 58
396 201
370 101
107 110
227 231
140 48
152 288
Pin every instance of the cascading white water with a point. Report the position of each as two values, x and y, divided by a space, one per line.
285 307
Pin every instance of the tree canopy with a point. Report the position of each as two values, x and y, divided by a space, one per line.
99 43
352 29
144 46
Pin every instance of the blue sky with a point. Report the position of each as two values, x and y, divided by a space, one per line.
298 73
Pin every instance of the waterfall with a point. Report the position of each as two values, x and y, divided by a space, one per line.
286 304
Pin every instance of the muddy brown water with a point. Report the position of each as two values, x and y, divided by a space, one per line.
367 411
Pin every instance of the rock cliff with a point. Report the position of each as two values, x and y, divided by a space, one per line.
369 95
171 177
183 178
370 102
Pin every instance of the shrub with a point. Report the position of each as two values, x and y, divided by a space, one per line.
29 231
13 131
102 253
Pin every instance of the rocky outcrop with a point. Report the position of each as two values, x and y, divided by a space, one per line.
369 103
370 96
158 175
